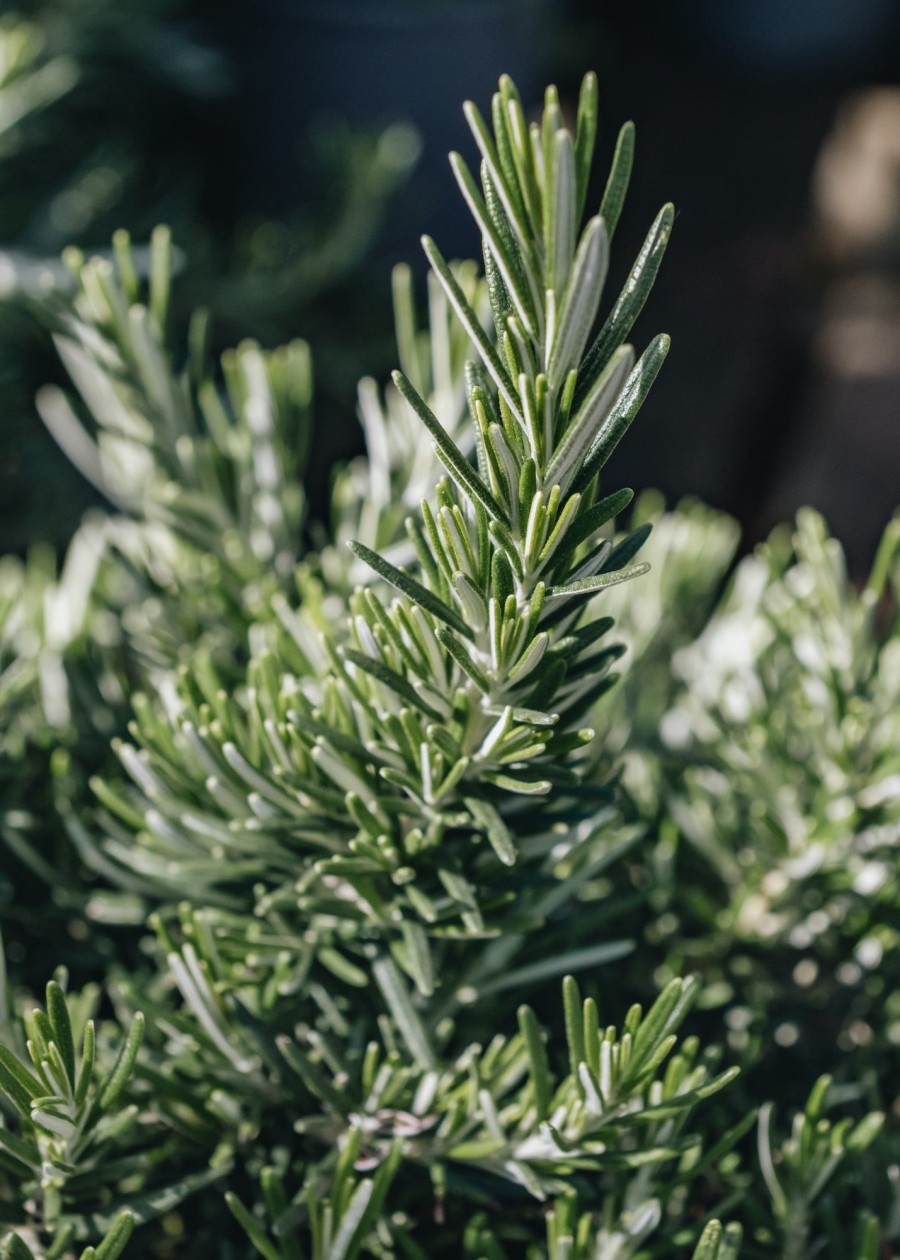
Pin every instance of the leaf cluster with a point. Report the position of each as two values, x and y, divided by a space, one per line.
362 800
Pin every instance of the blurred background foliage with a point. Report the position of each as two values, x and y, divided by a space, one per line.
273 138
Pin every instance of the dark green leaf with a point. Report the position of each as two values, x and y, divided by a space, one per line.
630 302
409 587
629 403
619 179
452 457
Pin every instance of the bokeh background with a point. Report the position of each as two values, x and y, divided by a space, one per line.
298 148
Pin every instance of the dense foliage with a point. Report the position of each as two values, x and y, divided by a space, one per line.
394 921
117 114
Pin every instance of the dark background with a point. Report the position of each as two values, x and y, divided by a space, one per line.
774 126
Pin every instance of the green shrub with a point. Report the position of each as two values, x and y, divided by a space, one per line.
369 810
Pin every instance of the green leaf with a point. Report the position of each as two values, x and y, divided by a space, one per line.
251 1228
477 1149
589 586
579 304
58 1014
498 161
124 1064
405 334
24 1153
564 219
160 277
865 1133
471 323
509 266
537 1058
418 957
818 1098
393 681
116 1240
625 551
409 587
503 582
678 1102
867 1243
524 787
585 136
574 1024
630 302
332 959
394 991
15 1249
649 1156
17 1082
88 1051
464 660
588 425
709 1244
312 1075
452 457
619 179
154 1203
496 830
623 413
656 1025
348 1240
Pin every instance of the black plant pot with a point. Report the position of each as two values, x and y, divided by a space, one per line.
372 62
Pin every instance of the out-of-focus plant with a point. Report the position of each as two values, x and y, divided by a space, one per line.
780 748
692 547
764 786
71 1135
802 1169
71 171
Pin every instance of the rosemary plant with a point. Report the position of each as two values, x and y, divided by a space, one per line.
362 797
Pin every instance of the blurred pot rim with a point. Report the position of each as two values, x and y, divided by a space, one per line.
400 14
